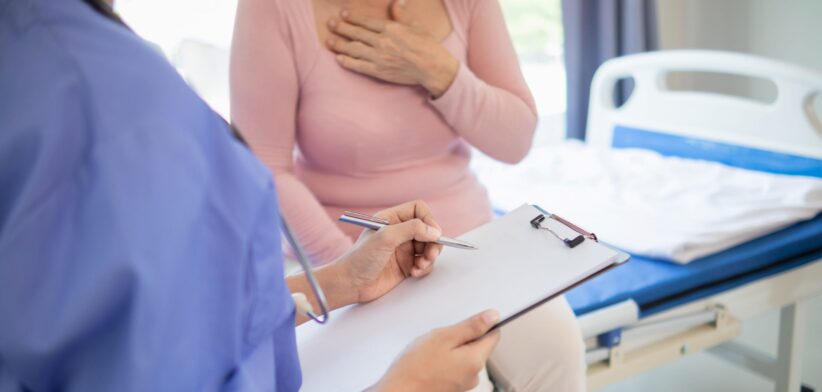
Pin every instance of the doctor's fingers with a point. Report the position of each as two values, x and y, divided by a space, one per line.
424 264
481 349
470 330
430 251
413 229
416 209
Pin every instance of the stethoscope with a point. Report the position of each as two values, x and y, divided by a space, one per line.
300 300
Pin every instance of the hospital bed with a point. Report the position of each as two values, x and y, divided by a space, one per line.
651 312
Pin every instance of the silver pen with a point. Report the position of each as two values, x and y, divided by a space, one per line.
374 223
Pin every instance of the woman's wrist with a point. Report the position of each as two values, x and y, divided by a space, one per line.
440 75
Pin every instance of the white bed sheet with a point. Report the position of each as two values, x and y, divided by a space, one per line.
662 207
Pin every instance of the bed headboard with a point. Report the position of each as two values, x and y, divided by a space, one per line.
781 137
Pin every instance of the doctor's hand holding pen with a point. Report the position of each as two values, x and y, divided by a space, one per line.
446 359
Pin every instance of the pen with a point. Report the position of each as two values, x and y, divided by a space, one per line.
374 223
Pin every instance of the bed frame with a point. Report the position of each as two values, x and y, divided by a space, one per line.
715 124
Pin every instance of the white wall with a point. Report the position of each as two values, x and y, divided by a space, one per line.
787 30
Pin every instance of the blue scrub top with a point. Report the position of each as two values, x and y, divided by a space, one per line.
139 242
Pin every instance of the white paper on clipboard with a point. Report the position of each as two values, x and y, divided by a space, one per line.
514 267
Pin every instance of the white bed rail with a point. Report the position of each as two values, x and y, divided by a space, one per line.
787 125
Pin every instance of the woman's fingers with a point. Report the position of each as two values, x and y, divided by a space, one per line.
353 32
398 12
354 49
360 66
374 24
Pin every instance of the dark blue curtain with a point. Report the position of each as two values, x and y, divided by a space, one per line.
595 31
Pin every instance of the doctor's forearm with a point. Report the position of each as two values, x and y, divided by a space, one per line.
335 284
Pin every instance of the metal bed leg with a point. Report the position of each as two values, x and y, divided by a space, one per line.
789 355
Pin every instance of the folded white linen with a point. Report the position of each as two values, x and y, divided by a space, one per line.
647 204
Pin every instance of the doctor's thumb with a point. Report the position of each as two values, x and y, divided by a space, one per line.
413 229
471 329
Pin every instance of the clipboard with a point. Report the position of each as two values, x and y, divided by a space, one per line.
516 268
536 222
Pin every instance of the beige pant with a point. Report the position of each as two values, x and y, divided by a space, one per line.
541 351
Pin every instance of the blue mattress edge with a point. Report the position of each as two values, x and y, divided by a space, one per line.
657 285
728 284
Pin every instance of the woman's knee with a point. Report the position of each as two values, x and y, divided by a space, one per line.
543 350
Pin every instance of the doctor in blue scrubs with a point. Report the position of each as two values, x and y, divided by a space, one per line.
139 240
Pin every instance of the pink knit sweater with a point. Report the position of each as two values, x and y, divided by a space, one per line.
336 140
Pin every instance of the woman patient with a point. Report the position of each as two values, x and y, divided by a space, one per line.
362 104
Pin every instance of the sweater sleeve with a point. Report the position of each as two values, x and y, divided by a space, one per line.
488 103
264 96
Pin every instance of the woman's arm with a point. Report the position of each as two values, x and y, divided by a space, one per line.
264 94
488 103
486 100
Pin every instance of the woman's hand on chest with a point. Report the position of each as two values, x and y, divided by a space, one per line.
397 50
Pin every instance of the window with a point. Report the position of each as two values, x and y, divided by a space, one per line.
196 34
536 29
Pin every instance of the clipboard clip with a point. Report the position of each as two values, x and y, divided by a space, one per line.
569 242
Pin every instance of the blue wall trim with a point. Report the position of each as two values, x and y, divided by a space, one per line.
729 154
